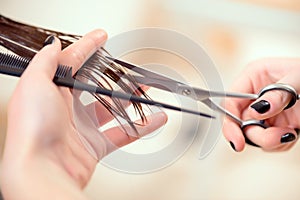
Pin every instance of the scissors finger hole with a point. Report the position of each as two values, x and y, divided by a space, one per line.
283 87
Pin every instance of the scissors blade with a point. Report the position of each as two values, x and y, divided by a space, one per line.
162 82
197 94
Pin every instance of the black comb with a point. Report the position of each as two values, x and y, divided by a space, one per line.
15 65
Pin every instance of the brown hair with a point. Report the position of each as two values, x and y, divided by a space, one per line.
97 69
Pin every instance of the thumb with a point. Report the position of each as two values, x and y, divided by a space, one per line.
46 60
277 97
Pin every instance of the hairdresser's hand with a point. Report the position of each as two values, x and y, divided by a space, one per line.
44 157
281 135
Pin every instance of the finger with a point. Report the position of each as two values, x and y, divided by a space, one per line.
271 138
117 137
45 62
98 112
231 129
283 147
77 53
275 101
270 104
236 106
233 134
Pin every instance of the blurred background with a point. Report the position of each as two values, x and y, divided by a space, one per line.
234 33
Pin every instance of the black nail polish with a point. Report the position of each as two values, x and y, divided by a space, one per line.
232 146
261 106
288 137
49 40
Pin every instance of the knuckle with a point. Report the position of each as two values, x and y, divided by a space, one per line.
78 57
282 97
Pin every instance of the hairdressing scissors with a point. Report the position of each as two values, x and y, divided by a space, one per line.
162 82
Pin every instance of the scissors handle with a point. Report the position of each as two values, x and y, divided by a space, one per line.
252 122
284 87
261 123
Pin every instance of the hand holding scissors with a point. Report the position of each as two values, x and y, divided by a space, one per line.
268 118
283 122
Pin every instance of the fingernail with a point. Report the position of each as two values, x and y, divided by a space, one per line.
288 137
261 106
49 40
232 146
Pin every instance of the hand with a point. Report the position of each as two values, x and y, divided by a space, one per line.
282 133
44 157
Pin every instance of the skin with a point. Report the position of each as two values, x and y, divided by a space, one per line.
256 76
44 157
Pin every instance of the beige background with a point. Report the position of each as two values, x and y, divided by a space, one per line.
234 33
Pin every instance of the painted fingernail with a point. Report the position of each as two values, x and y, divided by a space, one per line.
261 106
232 146
49 40
288 137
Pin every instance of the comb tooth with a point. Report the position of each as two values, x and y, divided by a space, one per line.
62 71
14 61
18 62
7 59
21 62
1 58
58 72
68 71
25 62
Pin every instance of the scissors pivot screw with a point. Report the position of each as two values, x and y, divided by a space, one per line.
186 92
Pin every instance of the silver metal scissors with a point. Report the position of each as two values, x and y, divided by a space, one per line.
162 82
